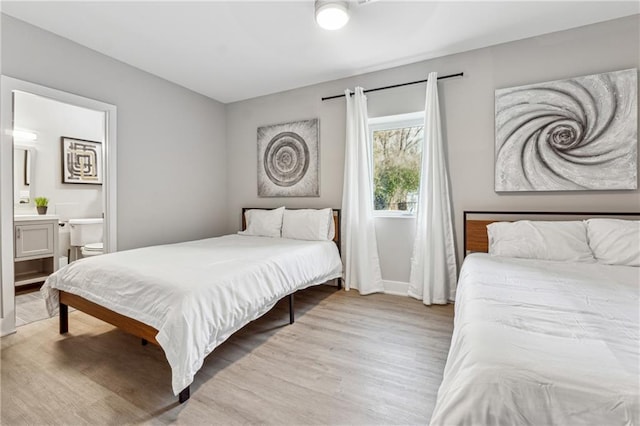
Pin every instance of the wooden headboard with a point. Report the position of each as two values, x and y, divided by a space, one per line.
475 230
336 221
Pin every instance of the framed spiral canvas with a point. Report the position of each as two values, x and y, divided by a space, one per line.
568 135
288 159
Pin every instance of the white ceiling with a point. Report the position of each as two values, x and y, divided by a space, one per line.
235 50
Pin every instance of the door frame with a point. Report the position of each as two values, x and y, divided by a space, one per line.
9 85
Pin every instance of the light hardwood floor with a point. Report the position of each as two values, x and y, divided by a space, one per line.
348 359
30 308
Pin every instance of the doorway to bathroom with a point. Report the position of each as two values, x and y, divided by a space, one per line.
57 179
61 165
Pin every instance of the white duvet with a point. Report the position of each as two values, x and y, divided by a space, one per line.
197 294
541 343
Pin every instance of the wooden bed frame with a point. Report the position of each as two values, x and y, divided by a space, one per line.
142 330
475 230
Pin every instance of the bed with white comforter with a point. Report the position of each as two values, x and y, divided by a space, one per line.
541 342
198 293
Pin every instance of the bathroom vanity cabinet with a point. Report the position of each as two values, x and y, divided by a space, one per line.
35 248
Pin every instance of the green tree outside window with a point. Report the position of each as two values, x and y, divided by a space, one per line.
397 156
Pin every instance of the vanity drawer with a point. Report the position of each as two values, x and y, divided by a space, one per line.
34 240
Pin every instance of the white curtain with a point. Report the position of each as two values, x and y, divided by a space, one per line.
433 264
359 245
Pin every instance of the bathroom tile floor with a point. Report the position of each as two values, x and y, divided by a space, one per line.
30 308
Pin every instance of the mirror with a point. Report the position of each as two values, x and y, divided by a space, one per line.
23 169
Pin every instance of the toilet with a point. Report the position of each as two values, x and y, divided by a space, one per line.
86 237
92 249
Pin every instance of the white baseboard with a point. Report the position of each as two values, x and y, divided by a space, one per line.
397 288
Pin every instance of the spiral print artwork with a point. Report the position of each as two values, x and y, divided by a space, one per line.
288 159
575 134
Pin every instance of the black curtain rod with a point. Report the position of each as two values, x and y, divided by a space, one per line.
460 74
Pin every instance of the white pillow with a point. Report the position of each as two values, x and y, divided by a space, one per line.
264 223
308 224
615 241
560 241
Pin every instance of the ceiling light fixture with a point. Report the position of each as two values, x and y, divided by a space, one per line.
332 15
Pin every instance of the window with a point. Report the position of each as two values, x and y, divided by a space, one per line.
397 157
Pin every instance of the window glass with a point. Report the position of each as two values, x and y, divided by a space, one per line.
397 156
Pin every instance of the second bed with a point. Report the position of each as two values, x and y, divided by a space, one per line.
542 342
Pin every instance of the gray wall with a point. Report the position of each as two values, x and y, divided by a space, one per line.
468 115
171 141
